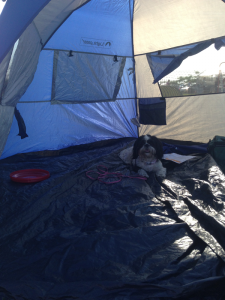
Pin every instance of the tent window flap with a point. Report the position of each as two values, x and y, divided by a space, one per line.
164 62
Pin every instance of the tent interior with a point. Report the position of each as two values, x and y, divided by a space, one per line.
81 80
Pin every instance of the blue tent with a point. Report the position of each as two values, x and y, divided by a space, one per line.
79 82
76 71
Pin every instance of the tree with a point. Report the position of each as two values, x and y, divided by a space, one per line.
188 80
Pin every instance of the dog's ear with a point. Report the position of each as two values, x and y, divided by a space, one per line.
158 147
136 148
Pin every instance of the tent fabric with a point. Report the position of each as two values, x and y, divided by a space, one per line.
79 77
23 66
219 43
53 15
15 20
77 71
167 61
121 86
26 56
3 69
59 126
152 111
20 72
144 79
109 33
117 29
188 117
40 88
167 24
6 118
69 236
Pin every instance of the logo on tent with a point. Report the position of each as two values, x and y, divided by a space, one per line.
108 45
95 43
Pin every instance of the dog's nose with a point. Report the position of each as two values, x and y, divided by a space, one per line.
146 146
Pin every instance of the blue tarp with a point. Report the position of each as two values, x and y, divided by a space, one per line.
69 237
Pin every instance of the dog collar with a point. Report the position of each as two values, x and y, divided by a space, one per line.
148 163
152 162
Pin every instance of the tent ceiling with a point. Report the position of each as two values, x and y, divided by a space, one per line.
53 15
108 30
158 25
15 20
166 24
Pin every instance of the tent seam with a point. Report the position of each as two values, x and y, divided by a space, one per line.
63 22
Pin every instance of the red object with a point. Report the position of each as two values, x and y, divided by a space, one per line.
103 173
29 175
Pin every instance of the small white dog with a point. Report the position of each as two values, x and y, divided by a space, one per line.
145 154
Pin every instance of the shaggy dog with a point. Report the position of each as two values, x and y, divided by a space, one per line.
145 154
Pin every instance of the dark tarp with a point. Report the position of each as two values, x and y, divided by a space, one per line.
72 238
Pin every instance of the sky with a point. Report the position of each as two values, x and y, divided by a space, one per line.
208 61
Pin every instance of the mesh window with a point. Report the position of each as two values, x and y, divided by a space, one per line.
203 73
81 77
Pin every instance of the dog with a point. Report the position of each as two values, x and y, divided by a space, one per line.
145 155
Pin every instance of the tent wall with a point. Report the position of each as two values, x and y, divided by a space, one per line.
193 118
3 69
71 73
144 79
166 24
17 15
53 15
15 20
58 126
23 64
22 67
104 44
20 72
98 22
197 119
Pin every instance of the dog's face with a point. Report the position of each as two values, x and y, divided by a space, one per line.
148 147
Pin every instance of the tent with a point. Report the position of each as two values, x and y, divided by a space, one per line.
112 58
79 81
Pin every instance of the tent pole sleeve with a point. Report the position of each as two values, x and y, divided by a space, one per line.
2 89
6 119
14 20
132 39
54 73
62 23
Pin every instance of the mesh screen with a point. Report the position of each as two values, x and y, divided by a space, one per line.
80 77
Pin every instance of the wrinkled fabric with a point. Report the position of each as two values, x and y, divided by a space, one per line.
162 66
69 237
79 78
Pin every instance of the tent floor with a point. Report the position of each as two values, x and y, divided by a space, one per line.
69 237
